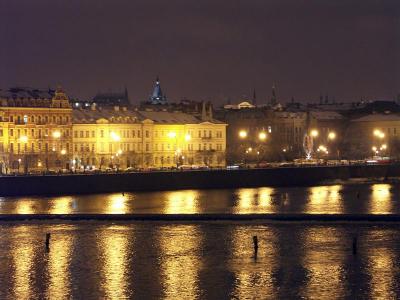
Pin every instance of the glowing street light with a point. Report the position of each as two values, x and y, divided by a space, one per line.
115 137
171 134
374 148
56 134
23 139
188 137
331 135
242 134
262 136
119 152
379 134
314 133
384 147
63 152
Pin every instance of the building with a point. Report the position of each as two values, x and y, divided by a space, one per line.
123 138
374 134
110 99
35 130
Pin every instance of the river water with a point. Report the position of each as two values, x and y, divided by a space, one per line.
362 198
99 260
204 260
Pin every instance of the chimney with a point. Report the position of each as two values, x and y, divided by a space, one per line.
210 111
203 111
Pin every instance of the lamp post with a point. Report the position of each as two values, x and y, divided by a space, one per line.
24 140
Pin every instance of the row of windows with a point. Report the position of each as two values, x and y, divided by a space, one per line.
36 133
122 133
136 133
36 147
126 147
39 119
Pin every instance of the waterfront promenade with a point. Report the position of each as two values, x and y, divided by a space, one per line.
198 179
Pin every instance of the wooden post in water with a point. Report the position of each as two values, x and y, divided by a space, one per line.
354 245
255 245
47 242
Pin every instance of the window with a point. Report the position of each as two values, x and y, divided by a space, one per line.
1 132
133 133
102 133
138 133
32 119
46 119
40 133
199 133
147 133
93 134
54 119
87 133
81 134
33 132
11 132
11 118
39 119
209 133
76 148
11 147
40 147
147 147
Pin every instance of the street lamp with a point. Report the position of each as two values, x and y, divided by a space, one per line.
331 136
242 134
314 133
379 134
115 137
56 134
262 136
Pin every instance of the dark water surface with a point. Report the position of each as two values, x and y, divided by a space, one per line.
373 198
142 260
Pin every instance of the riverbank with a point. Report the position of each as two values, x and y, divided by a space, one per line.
199 179
264 218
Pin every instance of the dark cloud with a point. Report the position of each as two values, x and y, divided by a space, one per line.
210 49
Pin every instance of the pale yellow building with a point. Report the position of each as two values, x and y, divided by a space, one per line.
123 138
35 129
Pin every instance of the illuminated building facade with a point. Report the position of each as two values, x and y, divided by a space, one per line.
120 138
35 129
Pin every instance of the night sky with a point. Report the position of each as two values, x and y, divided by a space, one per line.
204 49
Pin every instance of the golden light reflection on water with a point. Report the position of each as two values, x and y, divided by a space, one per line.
22 254
253 200
25 206
254 278
382 271
61 205
113 247
182 202
181 265
324 260
325 200
59 263
115 204
380 200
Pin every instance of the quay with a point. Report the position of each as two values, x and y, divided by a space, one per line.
192 179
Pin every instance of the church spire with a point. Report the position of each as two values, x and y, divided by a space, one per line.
157 96
273 98
254 97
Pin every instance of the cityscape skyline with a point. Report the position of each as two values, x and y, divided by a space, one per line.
351 54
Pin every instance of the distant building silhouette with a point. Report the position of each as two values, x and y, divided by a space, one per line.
110 99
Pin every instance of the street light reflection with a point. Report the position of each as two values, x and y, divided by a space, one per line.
380 200
182 202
